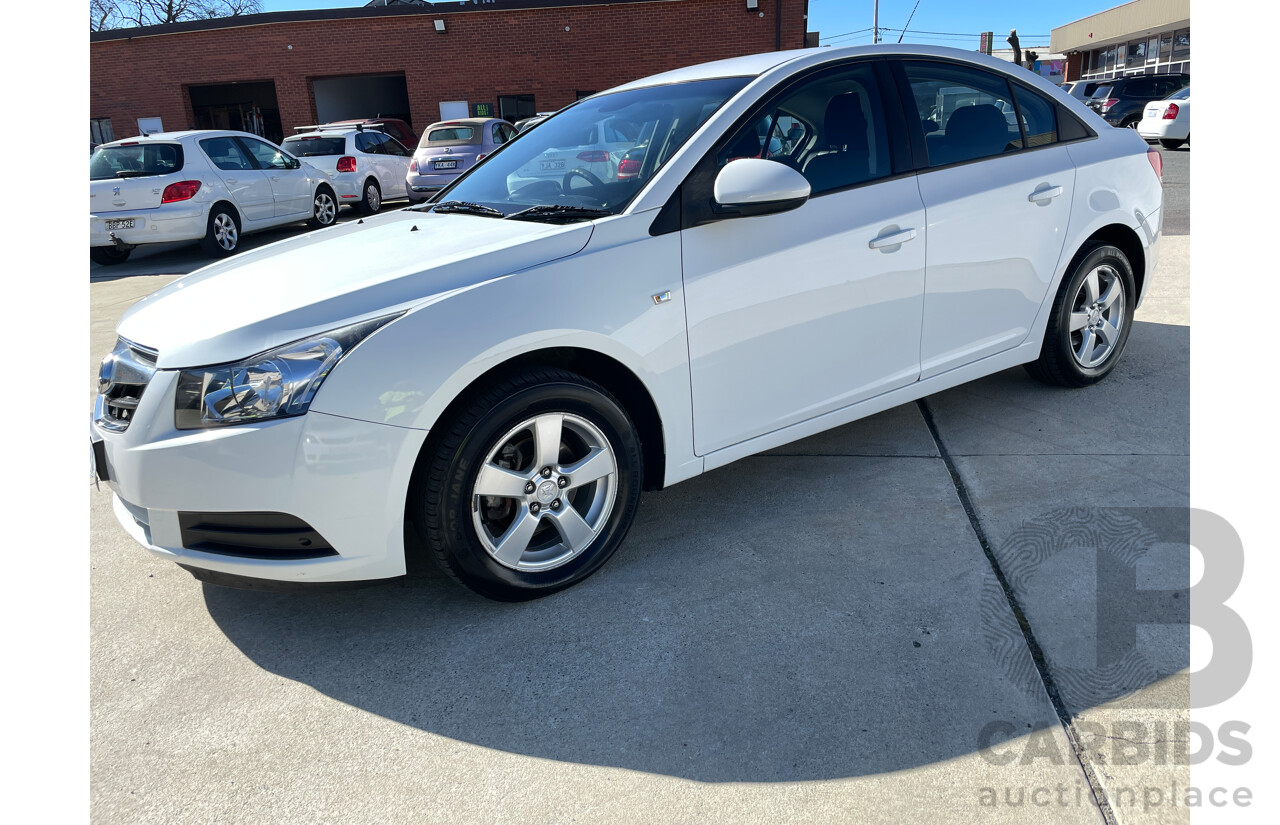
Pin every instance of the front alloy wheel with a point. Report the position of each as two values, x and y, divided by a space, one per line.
531 487
1097 316
544 492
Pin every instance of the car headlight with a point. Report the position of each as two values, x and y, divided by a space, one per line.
276 384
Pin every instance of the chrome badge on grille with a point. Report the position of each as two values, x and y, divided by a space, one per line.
122 377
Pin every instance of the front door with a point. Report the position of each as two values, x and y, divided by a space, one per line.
800 313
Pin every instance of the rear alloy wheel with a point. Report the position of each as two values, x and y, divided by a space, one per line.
108 255
1090 321
324 208
222 238
372 200
532 488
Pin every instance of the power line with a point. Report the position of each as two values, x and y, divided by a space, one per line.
846 34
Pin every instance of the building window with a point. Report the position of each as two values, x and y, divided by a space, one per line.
1136 54
516 107
100 131
1153 48
1166 47
1182 44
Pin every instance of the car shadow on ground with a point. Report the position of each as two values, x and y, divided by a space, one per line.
818 614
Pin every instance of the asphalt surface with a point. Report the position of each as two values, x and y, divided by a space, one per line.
927 615
1177 190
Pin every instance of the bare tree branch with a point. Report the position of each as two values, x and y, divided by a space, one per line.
115 14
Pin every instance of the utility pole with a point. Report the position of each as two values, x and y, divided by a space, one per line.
875 21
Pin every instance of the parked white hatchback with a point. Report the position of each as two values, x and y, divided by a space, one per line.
1168 120
490 380
366 166
210 186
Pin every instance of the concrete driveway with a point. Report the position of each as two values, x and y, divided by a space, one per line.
960 610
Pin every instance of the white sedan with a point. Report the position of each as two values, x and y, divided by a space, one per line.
1168 120
366 166
211 186
489 381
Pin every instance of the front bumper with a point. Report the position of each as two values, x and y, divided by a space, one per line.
165 224
345 478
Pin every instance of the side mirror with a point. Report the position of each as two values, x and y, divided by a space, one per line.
753 186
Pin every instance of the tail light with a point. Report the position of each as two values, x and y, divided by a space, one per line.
481 157
594 157
413 165
346 164
1157 162
1171 113
628 168
1109 102
183 190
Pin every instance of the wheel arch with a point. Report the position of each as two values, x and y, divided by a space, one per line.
231 206
604 370
1122 237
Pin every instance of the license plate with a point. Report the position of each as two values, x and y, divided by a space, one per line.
551 165
1153 113
446 164
123 223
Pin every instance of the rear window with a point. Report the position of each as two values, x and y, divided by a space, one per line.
137 161
310 147
446 135
1098 91
1181 94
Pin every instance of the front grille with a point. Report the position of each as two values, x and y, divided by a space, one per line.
122 378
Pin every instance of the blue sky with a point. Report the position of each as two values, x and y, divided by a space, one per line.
839 17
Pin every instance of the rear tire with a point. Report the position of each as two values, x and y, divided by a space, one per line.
1170 144
108 255
562 460
1090 321
222 237
324 208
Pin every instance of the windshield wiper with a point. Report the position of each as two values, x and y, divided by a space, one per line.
558 211
466 208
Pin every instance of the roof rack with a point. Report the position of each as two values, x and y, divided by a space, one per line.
359 127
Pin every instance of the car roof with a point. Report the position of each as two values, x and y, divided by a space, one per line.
174 137
341 131
754 65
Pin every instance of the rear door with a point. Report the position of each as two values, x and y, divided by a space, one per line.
395 159
290 186
249 186
997 196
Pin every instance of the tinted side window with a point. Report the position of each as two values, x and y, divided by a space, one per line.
391 146
499 134
831 129
966 113
364 143
1038 119
1141 87
226 154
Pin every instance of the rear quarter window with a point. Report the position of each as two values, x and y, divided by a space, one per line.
137 161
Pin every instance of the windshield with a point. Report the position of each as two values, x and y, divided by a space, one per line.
135 161
595 155
1181 94
311 146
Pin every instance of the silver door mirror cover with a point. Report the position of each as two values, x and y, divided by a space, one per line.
754 186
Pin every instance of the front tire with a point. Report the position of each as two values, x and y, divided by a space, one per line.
532 488
108 255
371 202
222 236
1090 321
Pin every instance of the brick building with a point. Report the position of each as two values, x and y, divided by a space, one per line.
424 62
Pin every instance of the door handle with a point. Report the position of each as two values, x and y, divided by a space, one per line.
1044 194
231 181
892 240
